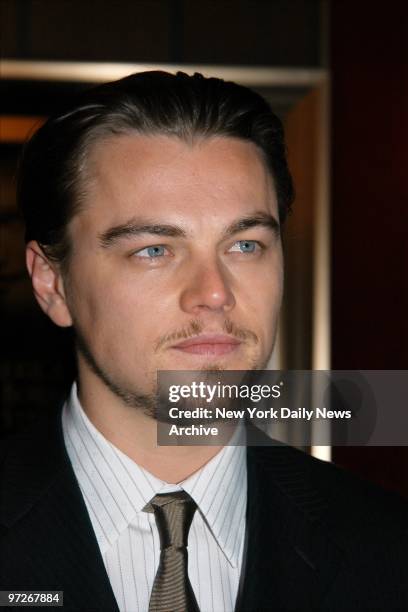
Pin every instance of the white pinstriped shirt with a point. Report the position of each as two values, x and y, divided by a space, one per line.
116 490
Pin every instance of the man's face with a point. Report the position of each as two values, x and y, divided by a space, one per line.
176 259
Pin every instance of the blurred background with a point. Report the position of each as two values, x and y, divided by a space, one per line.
337 74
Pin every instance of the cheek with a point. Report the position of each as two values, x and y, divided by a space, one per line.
275 282
264 288
266 299
111 313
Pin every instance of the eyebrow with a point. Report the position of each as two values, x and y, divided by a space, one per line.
133 228
259 219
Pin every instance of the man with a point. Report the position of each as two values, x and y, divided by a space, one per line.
154 211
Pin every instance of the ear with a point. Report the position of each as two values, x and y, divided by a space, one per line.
47 284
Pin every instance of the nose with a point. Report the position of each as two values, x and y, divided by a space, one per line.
207 289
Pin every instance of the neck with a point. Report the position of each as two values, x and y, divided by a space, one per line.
135 433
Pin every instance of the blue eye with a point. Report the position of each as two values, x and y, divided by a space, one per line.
245 246
153 252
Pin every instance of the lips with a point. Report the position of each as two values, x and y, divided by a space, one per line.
208 344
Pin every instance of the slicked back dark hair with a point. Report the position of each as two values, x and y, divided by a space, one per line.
52 176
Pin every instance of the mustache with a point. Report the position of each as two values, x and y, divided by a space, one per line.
197 327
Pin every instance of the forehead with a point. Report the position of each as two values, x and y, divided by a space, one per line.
206 179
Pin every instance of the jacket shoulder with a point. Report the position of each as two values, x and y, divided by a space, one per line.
347 502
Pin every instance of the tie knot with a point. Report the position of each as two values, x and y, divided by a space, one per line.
173 513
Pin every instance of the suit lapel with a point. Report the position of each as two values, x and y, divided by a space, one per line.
290 560
47 524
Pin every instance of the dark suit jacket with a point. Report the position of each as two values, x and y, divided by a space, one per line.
317 539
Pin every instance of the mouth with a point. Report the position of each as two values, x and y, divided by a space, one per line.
208 344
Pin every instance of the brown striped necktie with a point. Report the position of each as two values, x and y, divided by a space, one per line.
172 591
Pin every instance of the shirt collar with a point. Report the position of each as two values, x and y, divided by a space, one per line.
219 489
116 488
